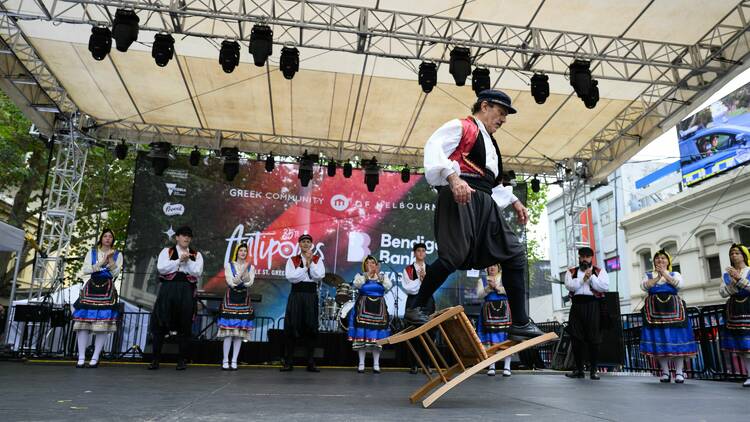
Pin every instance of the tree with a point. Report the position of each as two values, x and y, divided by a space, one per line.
104 199
536 203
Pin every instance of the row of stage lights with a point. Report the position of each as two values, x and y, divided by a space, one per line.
160 155
125 32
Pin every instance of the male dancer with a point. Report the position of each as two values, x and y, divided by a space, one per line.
463 160
179 267
304 271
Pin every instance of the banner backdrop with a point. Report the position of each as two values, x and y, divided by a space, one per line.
269 211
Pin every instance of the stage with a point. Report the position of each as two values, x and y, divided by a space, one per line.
60 392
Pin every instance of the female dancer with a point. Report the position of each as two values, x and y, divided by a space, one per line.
236 317
667 333
96 310
494 318
735 337
369 321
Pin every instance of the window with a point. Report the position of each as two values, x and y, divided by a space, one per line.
560 241
564 293
743 233
714 267
644 258
710 253
607 215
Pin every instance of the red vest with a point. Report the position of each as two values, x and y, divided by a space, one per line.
470 152
299 262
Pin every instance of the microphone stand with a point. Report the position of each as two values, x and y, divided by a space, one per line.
396 323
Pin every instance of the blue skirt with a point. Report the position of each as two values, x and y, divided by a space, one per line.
488 338
96 315
363 337
737 341
668 341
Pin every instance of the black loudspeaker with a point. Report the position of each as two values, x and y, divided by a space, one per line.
32 313
612 349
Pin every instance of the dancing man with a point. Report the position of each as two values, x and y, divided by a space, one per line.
179 267
304 271
463 160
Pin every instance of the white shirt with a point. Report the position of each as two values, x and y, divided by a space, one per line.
676 280
438 166
726 290
168 266
576 285
301 274
360 280
88 268
242 277
483 291
411 286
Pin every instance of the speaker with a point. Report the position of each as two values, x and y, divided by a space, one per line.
32 313
612 349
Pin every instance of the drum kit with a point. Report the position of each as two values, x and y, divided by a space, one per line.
334 310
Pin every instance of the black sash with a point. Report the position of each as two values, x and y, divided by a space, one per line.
738 313
663 310
371 312
496 315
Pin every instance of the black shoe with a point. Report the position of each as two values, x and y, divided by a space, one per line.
312 368
181 365
414 370
524 332
416 316
360 371
153 365
375 371
81 366
575 374
286 368
94 366
594 376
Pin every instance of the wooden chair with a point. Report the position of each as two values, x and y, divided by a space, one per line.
468 353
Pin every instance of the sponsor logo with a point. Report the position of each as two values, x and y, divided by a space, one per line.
173 209
339 202
359 246
176 173
169 232
175 190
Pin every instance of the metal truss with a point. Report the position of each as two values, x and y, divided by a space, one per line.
572 175
59 218
645 117
392 34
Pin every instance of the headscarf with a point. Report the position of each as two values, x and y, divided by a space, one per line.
663 253
743 250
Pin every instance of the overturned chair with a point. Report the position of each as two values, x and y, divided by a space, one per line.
469 354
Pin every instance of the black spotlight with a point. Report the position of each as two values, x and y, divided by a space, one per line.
195 157
480 79
306 168
289 61
270 163
593 98
163 49
261 44
460 65
125 29
427 76
100 42
229 55
121 150
159 155
405 174
231 162
347 169
540 87
372 173
331 168
535 184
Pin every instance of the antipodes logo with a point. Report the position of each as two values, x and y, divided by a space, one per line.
173 209
339 202
175 190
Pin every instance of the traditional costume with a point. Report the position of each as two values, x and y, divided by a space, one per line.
236 314
494 317
368 322
735 335
175 305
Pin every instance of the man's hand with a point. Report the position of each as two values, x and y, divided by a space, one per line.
184 257
461 190
521 212
587 274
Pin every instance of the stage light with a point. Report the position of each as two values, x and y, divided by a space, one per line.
159 155
331 168
405 174
593 98
535 184
480 79
231 162
372 173
305 171
511 175
195 157
270 163
427 76
125 29
229 55
289 61
460 65
100 42
347 169
540 87
261 43
121 150
163 49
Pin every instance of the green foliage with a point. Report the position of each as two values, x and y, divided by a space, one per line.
536 202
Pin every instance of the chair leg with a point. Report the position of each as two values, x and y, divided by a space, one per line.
432 383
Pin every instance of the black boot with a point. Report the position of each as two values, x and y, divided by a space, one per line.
578 373
311 366
153 365
593 375
181 365
524 332
287 367
416 316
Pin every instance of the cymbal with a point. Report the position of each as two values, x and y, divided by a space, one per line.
333 279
